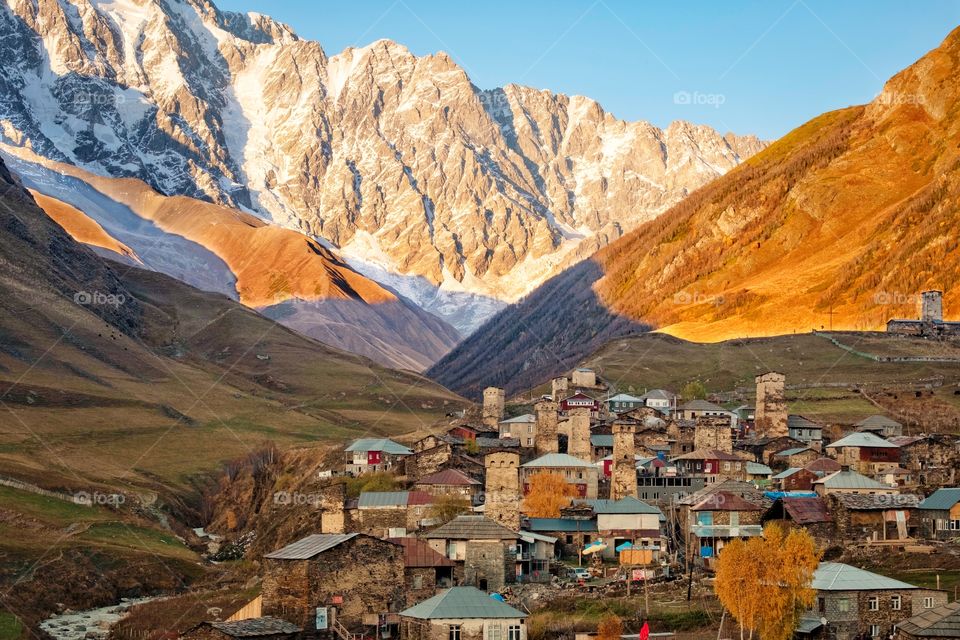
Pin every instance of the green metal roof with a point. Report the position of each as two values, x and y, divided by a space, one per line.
836 576
786 474
372 499
791 452
757 469
850 480
461 602
942 499
628 505
862 439
601 440
557 460
522 419
565 525
385 445
624 397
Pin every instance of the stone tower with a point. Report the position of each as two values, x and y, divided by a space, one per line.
770 417
713 432
493 399
502 499
623 472
560 387
931 306
545 439
578 445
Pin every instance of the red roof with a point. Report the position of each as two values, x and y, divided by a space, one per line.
825 465
417 553
448 477
807 510
419 497
724 501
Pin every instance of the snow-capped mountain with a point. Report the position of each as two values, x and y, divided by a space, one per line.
460 199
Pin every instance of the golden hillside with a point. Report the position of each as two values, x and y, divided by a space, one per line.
855 211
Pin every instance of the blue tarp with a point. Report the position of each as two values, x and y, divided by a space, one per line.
776 495
624 546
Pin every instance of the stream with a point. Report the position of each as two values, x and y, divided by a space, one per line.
92 624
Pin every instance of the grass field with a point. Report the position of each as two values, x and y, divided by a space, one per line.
10 627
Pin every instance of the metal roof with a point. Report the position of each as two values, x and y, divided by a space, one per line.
374 499
942 499
806 510
417 553
624 397
472 528
702 405
724 501
939 622
385 445
601 440
658 394
790 452
726 531
461 602
862 439
529 536
266 626
823 465
628 505
800 422
878 421
786 474
312 545
757 469
451 477
836 576
557 460
850 480
525 418
564 525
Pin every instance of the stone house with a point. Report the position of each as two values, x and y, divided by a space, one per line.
718 519
823 466
462 613
522 428
680 436
712 432
865 452
601 445
859 604
623 402
770 412
934 460
583 475
805 430
795 479
694 409
793 457
664 489
450 482
880 425
349 576
378 513
486 550
368 455
763 448
873 516
445 455
711 464
939 514
939 623
628 520
425 571
847 481
251 629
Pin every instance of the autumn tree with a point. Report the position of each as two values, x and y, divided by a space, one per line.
693 390
447 507
610 628
766 582
548 493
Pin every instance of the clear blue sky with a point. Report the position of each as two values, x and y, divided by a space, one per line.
760 67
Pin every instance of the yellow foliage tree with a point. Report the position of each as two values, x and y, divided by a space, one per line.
610 628
548 493
765 582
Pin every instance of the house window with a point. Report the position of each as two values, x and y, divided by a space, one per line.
896 603
454 632
874 603
955 525
418 581
569 539
843 605
513 632
494 631
928 603
874 631
726 466
821 605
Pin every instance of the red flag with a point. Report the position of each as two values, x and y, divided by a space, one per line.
645 632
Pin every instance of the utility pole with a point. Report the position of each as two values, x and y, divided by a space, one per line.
830 313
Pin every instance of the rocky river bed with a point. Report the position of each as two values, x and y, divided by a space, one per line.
92 624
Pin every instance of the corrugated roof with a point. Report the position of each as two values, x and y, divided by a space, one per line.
265 626
724 501
522 419
379 444
496 443
417 553
601 440
472 528
701 405
557 460
807 510
312 545
757 469
801 422
786 474
657 394
942 499
939 622
563 525
628 505
624 397
878 422
529 536
742 489
451 477
905 441
790 452
375 499
461 602
823 465
836 576
849 480
862 439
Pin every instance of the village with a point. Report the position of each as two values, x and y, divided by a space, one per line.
591 493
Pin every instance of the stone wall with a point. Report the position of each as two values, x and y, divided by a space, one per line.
713 432
489 564
849 613
428 461
545 438
493 402
502 498
579 443
623 474
770 416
